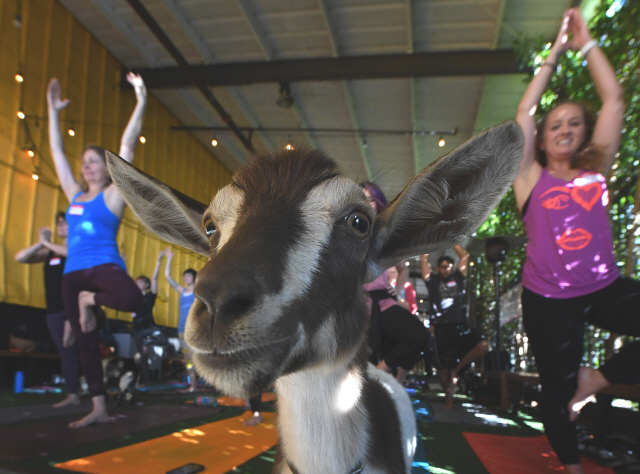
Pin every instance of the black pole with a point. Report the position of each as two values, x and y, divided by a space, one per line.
496 279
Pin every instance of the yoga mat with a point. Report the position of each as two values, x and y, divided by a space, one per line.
220 447
43 410
51 435
509 454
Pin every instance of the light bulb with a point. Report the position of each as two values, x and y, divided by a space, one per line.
30 153
72 132
214 142
142 139
21 115
35 176
19 77
289 147
441 142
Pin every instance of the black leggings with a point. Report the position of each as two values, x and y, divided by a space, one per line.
115 289
555 328
404 337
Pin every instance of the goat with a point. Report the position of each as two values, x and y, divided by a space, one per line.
290 243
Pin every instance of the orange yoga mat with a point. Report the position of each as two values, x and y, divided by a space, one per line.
509 454
220 447
240 402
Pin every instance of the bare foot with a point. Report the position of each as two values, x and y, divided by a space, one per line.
72 399
256 419
87 317
68 337
96 416
590 382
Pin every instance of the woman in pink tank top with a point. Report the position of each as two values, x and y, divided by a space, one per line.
570 276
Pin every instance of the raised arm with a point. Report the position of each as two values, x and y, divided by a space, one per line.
607 131
65 175
45 241
463 262
167 271
425 266
38 252
530 169
131 133
156 272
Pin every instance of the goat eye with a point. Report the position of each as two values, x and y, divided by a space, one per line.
358 223
210 228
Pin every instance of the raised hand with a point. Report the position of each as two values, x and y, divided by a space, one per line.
138 84
45 234
168 252
54 98
579 30
562 42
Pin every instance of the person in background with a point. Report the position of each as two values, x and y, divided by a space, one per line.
407 295
187 298
94 273
397 338
456 344
54 256
143 323
570 276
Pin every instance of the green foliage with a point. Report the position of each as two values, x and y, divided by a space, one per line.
616 26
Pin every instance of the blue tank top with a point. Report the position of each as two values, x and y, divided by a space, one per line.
186 300
92 235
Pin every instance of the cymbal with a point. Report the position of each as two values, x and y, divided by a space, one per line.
477 246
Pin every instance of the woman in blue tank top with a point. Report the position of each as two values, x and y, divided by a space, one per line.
187 297
95 273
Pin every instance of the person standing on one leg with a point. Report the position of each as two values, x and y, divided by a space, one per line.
187 298
570 276
54 256
95 273
456 344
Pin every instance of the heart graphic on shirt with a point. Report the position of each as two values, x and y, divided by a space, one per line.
587 195
574 239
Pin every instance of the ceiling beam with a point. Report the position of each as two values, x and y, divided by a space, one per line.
449 63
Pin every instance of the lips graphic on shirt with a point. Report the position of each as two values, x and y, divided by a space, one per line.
574 239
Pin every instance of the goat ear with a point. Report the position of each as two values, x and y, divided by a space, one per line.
168 213
448 200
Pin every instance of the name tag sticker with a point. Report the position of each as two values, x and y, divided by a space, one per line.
76 210
451 283
55 261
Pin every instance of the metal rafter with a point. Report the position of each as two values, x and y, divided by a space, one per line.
181 17
475 62
162 37
141 47
348 95
268 50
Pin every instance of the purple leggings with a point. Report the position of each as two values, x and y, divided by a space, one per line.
114 288
68 355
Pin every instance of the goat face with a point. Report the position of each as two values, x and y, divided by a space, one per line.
291 241
288 240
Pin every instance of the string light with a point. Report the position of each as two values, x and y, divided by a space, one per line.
441 142
289 147
29 152
71 132
142 139
19 77
34 175
214 142
21 115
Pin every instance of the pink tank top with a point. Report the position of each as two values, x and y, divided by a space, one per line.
570 247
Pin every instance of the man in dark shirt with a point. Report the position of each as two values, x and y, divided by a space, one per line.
456 344
143 324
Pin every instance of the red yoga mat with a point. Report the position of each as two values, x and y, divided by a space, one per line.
509 454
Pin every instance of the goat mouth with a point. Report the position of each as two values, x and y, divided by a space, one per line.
238 356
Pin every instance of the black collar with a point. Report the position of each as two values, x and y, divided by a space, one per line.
357 470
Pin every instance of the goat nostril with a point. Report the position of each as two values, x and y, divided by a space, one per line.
237 306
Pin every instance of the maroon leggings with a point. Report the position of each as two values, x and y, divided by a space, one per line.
114 288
